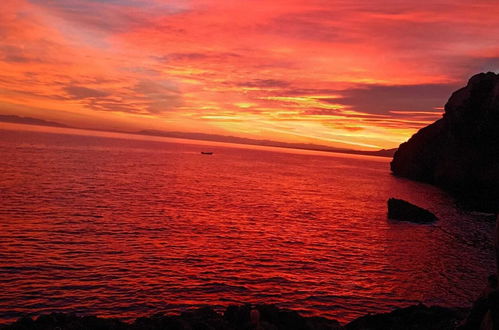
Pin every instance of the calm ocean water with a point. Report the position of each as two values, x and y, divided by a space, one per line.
119 225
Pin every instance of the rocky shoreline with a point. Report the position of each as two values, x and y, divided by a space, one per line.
416 317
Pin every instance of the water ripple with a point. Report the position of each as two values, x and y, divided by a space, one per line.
121 228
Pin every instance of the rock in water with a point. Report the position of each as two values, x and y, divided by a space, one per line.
399 209
460 152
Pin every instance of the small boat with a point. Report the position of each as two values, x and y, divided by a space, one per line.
206 153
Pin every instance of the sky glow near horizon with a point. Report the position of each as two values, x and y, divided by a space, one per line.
353 74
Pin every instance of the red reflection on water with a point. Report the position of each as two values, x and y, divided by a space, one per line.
120 227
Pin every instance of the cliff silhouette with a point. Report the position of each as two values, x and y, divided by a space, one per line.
460 151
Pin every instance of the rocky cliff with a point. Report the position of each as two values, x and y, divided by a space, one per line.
460 151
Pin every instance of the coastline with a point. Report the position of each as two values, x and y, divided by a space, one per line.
266 316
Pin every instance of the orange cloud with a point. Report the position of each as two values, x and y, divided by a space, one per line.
351 74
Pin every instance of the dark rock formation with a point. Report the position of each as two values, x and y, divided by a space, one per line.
460 152
413 317
235 317
399 209
245 317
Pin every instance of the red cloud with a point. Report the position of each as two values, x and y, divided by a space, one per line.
313 67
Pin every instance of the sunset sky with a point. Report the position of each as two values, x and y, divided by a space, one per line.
356 74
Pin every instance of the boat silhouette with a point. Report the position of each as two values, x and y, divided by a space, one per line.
206 153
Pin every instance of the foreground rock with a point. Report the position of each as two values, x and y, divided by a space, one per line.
414 317
245 317
460 151
234 317
399 209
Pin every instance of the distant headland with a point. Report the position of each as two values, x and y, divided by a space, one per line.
29 121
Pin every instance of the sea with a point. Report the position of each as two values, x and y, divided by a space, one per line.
123 225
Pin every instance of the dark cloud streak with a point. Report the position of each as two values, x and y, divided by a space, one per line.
79 92
381 99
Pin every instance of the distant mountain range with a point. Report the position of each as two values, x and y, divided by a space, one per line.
210 137
268 143
29 121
